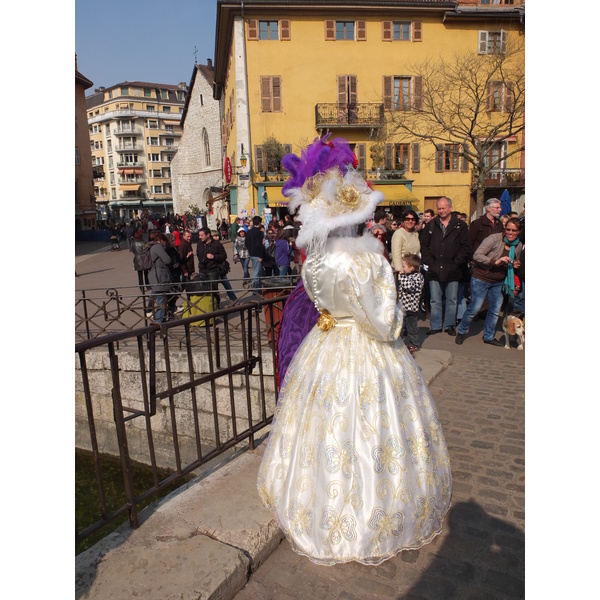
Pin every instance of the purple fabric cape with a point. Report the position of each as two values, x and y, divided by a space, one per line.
298 318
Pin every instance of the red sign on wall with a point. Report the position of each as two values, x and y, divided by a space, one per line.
227 169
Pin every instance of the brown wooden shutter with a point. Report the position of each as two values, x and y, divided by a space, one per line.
265 94
489 99
510 96
361 154
416 157
285 30
277 93
439 158
387 92
329 30
287 148
353 96
417 31
386 31
418 93
389 157
464 163
259 162
342 86
252 29
361 31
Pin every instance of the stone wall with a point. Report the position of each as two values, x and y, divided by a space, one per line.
191 175
230 398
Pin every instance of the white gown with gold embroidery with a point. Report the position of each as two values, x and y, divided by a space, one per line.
356 466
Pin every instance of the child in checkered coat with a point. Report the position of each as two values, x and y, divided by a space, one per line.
410 287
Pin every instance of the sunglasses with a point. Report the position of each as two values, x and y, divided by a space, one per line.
409 219
512 230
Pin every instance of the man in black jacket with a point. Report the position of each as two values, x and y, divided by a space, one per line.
445 249
256 249
210 254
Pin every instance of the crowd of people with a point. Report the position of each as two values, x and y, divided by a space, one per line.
446 269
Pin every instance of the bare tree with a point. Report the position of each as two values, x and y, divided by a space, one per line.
466 105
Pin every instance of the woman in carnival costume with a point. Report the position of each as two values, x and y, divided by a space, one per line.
356 467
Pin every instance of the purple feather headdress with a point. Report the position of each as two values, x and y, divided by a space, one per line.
321 155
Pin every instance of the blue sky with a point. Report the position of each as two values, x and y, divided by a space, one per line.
143 40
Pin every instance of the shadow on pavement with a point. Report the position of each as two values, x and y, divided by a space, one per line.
482 558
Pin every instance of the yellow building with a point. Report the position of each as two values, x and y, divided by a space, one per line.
134 130
297 70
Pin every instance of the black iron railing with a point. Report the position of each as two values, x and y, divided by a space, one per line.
154 395
349 115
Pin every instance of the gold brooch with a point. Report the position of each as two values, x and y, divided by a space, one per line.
326 321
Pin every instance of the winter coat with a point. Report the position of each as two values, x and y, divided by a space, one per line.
137 247
239 248
410 287
254 242
283 253
160 276
489 251
482 228
404 242
187 264
214 247
445 253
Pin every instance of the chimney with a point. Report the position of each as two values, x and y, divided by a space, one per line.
209 63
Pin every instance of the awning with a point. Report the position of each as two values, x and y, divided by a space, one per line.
129 187
399 195
169 122
131 170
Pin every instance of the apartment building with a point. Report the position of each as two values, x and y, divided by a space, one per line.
85 206
296 70
134 130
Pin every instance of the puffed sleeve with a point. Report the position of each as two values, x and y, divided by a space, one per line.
372 297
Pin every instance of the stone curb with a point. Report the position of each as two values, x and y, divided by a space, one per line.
202 542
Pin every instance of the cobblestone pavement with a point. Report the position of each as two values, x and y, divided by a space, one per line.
480 554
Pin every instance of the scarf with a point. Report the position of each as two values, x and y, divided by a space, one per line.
508 287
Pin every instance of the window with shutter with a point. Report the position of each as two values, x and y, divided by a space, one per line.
352 96
482 49
361 31
464 163
270 93
329 30
416 157
417 31
286 32
386 31
252 29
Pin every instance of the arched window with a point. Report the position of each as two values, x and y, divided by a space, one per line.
206 148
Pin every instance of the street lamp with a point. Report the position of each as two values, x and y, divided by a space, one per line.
243 158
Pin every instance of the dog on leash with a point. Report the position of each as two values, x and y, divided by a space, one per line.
514 325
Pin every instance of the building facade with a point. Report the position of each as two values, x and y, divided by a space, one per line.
297 70
134 130
197 169
85 203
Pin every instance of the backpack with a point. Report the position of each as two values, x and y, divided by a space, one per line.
145 260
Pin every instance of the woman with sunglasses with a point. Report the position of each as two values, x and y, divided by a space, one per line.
405 239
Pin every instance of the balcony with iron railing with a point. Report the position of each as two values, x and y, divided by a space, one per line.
509 178
129 148
349 116
130 131
130 164
125 180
